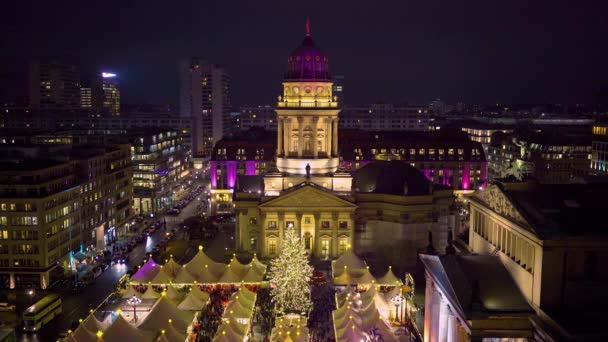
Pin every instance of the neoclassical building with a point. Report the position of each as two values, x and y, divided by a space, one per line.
552 240
305 187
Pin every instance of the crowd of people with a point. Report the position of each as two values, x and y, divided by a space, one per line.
264 313
320 322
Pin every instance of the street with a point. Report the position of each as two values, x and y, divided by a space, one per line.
77 306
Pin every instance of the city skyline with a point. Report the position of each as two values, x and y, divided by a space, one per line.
474 52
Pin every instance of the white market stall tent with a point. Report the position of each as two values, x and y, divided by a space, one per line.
202 270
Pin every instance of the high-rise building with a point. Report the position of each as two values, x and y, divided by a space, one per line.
86 94
205 96
258 116
338 88
106 94
54 84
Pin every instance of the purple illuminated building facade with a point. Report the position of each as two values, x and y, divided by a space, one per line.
447 158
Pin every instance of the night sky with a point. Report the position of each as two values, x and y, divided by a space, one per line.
478 51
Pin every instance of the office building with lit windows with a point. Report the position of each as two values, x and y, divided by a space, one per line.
106 93
386 117
159 161
59 199
54 84
39 221
264 116
599 149
205 97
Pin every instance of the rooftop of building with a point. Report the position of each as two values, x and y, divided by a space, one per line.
391 177
560 209
478 284
28 164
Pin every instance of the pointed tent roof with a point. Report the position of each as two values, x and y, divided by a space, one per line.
198 293
184 277
206 276
70 338
121 330
84 335
150 294
162 277
238 308
130 292
258 265
172 294
344 279
230 277
365 277
192 302
237 267
147 272
253 275
196 266
246 296
171 334
348 259
389 278
92 324
227 333
161 312
172 267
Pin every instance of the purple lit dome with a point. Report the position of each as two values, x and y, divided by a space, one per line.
307 62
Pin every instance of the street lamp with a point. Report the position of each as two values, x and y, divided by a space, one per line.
135 301
397 300
30 293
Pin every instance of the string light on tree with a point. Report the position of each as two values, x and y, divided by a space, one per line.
290 273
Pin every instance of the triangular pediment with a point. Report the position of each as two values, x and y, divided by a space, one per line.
494 198
307 196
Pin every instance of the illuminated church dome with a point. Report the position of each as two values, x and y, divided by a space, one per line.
307 62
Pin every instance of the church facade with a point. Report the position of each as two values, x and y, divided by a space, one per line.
306 189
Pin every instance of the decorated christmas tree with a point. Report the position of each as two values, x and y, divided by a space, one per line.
289 274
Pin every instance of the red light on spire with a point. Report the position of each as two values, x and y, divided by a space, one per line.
307 26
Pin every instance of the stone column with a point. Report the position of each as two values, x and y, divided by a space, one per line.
442 333
328 136
334 138
428 303
280 137
435 314
300 136
286 136
315 122
452 326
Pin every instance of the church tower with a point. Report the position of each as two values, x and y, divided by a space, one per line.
307 114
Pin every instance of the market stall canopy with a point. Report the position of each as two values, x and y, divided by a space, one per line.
348 259
172 267
160 314
121 330
92 324
146 272
170 334
193 303
173 294
84 335
389 279
130 292
150 294
197 267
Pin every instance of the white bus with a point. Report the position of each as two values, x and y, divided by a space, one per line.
42 312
